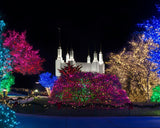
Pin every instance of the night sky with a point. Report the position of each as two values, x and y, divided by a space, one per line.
85 25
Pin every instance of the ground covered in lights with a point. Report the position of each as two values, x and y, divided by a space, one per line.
40 106
39 114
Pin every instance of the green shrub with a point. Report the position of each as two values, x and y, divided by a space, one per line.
156 94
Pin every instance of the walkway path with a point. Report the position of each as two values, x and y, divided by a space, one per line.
33 121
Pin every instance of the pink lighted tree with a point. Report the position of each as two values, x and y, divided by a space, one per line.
25 59
87 88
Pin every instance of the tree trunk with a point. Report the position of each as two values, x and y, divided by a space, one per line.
148 97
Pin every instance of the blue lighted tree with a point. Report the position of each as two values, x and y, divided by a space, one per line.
7 117
5 57
47 81
151 31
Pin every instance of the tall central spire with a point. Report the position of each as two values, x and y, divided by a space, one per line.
101 47
59 35
67 56
100 55
71 55
88 57
59 57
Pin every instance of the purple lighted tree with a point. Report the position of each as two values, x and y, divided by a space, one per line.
87 88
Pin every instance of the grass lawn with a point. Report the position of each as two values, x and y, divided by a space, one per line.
41 106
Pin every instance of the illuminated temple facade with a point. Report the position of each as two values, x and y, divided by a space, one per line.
96 65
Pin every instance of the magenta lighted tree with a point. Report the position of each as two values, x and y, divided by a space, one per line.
87 88
25 59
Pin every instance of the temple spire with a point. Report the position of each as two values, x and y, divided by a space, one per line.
59 35
67 56
95 59
71 54
100 47
100 55
88 57
59 52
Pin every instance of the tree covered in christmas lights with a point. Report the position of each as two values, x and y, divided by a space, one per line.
7 117
25 59
151 30
81 89
134 70
69 69
5 57
7 81
16 55
5 62
47 80
156 94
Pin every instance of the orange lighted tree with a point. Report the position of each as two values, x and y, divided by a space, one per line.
136 73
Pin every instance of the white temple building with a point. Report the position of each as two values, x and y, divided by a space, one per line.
96 65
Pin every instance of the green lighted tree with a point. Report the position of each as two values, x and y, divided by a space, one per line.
6 79
6 82
156 94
